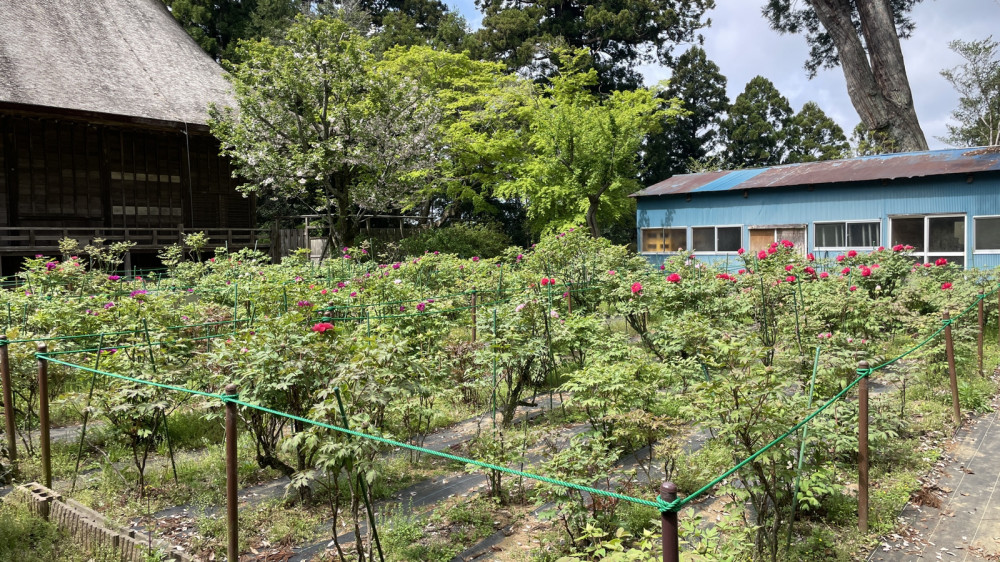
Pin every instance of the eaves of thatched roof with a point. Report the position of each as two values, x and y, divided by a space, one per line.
119 57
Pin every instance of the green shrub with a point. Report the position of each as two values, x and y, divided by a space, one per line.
464 240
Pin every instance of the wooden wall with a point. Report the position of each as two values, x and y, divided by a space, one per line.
68 172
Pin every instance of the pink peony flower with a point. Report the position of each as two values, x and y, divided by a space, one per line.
304 303
762 255
553 314
354 293
945 286
674 278
114 277
852 254
790 278
810 257
897 248
824 275
787 244
636 287
941 261
741 251
475 258
866 271
845 271
421 306
322 327
840 258
853 288
772 250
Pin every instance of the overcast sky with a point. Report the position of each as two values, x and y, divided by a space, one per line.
743 46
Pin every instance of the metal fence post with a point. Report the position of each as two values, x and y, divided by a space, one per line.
863 449
949 346
671 548
8 401
232 488
473 314
43 415
982 325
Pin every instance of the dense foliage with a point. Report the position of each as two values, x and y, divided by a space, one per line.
642 358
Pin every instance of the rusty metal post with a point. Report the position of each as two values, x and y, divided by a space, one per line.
569 298
982 325
949 347
8 401
473 314
863 449
232 518
671 549
43 415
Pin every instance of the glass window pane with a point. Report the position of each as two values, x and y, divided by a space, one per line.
947 234
830 235
703 239
652 240
908 231
988 233
730 238
863 234
674 239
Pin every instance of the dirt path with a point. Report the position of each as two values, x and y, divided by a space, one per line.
957 513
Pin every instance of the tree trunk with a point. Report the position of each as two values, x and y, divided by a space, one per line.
876 79
595 228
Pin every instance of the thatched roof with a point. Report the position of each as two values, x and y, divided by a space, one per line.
122 57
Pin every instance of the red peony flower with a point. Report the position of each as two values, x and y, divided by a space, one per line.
322 327
945 286
673 278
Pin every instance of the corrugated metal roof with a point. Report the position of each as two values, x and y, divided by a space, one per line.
867 168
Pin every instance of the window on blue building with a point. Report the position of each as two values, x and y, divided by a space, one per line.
987 233
663 240
932 236
716 239
848 234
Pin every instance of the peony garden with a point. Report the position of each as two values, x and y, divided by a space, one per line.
527 405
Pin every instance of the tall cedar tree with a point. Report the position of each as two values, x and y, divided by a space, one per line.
862 36
693 135
526 34
217 25
755 132
814 136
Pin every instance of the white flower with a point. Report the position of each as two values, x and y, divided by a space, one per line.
398 281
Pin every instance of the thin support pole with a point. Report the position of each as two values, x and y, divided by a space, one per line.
170 446
43 414
149 344
232 487
949 346
494 399
86 411
361 483
8 400
671 545
569 298
863 450
473 314
982 325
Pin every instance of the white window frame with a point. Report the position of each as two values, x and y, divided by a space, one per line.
845 223
803 249
923 253
687 239
974 250
716 227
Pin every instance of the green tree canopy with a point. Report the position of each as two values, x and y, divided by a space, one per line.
813 136
692 135
319 120
977 82
217 25
620 34
584 158
755 132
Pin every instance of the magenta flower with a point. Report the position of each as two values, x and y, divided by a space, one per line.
824 275
853 288
851 254
108 305
354 293
945 286
475 258
322 327
636 288
304 303
137 292
114 277
673 278
421 306
51 265
789 267
402 308
395 265
866 271
940 261
741 251
553 314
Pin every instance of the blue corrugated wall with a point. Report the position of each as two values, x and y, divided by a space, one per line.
829 202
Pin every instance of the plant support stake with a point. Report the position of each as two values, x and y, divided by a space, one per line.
949 346
232 485
8 400
671 549
43 415
863 449
982 322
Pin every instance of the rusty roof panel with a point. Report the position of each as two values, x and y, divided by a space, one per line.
868 168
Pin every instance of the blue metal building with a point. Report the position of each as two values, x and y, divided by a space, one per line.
944 203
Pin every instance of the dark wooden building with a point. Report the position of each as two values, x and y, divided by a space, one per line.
103 105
